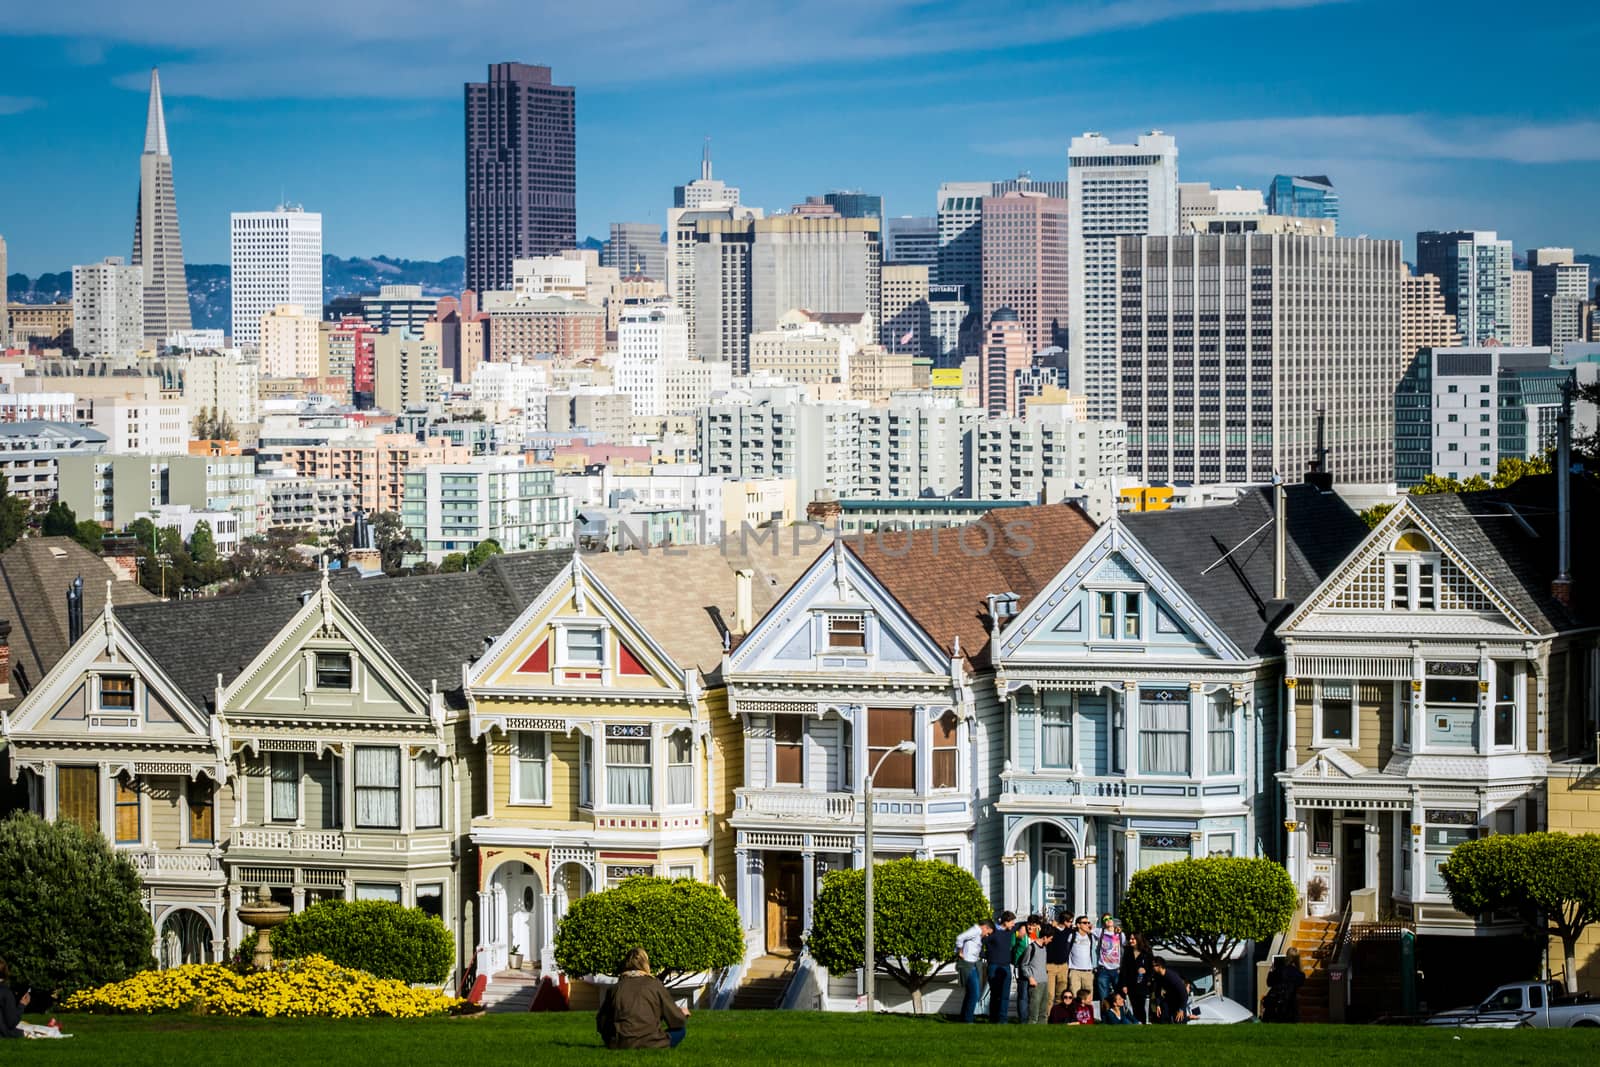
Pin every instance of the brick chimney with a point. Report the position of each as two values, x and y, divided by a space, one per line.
5 659
825 510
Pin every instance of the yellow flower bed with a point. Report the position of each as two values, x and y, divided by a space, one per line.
310 987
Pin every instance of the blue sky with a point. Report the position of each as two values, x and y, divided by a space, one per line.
1425 114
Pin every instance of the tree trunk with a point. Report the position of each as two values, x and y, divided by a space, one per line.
916 1000
1569 949
1216 979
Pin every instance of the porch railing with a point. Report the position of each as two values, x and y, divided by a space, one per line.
823 807
289 840
1075 788
155 861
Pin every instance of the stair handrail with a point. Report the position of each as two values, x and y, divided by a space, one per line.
1340 952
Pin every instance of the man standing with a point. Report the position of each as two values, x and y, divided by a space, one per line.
1108 957
969 956
1081 956
997 956
1169 995
1056 957
1033 980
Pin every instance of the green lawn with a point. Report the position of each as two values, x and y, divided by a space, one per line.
778 1037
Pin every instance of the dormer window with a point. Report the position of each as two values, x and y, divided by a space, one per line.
335 671
1413 573
847 633
583 646
1119 615
116 692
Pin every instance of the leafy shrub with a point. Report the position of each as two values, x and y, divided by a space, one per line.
70 913
313 986
686 926
918 906
376 936
1207 908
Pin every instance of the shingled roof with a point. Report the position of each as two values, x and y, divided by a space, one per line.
35 573
1235 594
943 578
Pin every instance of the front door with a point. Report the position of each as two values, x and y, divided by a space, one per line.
1352 861
522 926
785 903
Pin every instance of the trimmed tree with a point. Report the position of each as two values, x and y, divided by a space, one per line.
1207 908
1552 880
70 913
687 927
376 936
918 907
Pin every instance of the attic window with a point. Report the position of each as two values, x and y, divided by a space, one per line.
847 633
585 646
334 671
116 692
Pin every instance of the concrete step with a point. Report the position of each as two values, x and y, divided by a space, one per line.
511 991
760 994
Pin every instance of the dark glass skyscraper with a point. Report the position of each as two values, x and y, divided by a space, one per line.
521 171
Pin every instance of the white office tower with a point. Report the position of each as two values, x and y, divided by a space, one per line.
516 390
107 308
276 259
1114 190
648 339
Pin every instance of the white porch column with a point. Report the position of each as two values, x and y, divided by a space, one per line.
347 786
1485 701
741 867
231 921
1197 730
547 936
1130 726
808 882
299 895
1290 757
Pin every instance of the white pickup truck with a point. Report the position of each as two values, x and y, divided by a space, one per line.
1541 1004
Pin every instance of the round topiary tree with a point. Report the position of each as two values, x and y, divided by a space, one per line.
1551 880
376 936
687 927
1208 908
918 907
70 913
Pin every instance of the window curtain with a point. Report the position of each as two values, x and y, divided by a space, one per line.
378 787
428 788
1055 742
1220 735
628 771
1164 733
530 754
285 786
680 768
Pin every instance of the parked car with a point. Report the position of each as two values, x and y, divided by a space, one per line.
1541 1004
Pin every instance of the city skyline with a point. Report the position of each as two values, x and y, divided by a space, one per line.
335 126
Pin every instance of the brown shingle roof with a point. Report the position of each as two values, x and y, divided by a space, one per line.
944 577
34 576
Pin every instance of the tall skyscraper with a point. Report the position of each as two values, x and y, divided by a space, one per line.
108 302
157 246
1474 272
636 249
705 198
1559 290
911 240
1006 351
1025 263
1233 346
1303 196
1424 322
521 171
1522 308
1114 190
960 222
904 306
276 259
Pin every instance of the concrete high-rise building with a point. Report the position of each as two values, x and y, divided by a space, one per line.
157 246
406 373
1559 292
911 240
521 171
717 284
1474 272
1006 353
1114 190
290 339
705 191
275 259
649 338
108 303
1258 338
1197 200
1424 322
960 224
1521 308
1025 263
704 199
947 312
904 304
224 384
635 249
1303 196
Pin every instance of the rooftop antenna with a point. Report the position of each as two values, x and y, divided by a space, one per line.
705 161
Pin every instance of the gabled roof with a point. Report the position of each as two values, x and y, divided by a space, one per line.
942 587
1235 594
34 576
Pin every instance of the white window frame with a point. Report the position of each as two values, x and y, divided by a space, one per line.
1317 696
1120 615
586 775
130 713
1047 706
399 789
417 789
517 769
668 766
689 870
364 891
312 680
828 620
1413 562
299 788
1519 712
564 652
1224 700
1228 838
654 743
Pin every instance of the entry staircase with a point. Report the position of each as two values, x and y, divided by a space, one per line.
1317 940
511 991
764 982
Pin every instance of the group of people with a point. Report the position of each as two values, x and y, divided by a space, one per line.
1063 969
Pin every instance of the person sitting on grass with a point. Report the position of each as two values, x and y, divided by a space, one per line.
1114 1010
1062 1011
638 1006
1075 1009
10 1006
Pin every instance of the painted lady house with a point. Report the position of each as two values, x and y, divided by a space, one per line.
1141 686
607 747
1432 680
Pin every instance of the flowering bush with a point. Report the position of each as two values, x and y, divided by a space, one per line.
312 986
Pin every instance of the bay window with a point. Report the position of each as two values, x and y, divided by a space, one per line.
1336 713
680 768
284 771
427 791
1221 750
202 820
377 788
886 728
1055 731
530 760
628 766
1506 703
943 771
1450 702
1443 831
1164 731
585 770
788 750
126 800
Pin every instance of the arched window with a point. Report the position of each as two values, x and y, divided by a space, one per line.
1413 573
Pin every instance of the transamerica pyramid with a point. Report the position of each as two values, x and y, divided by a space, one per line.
157 246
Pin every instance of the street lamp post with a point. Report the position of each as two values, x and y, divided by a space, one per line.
869 956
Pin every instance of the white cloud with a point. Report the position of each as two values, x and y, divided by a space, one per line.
16 105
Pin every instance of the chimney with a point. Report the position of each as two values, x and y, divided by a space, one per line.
825 510
1561 588
1280 542
5 659
743 601
75 610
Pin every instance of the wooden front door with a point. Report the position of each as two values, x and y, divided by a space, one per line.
785 903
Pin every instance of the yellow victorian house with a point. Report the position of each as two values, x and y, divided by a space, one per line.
608 748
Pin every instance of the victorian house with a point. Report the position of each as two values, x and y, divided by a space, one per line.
1431 681
607 747
1141 688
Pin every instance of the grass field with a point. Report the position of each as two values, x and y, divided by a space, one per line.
778 1037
